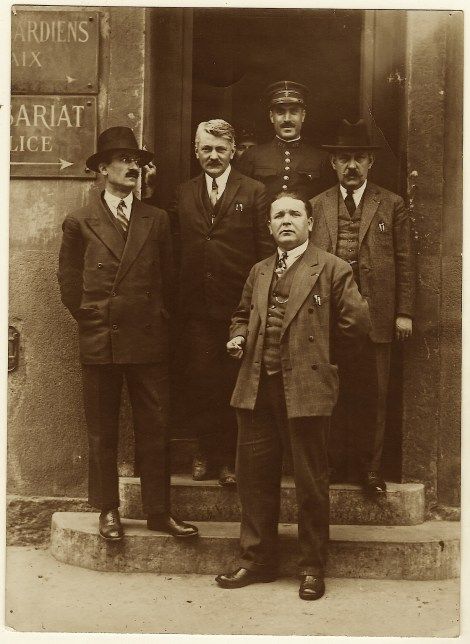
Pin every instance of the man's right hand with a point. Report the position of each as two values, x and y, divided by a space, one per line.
235 347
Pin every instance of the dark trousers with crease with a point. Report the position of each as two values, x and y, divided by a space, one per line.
358 423
148 392
262 434
208 376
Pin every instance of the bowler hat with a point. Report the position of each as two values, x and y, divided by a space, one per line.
116 139
286 92
352 136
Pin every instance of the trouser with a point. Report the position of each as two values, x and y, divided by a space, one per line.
358 422
148 392
208 379
262 433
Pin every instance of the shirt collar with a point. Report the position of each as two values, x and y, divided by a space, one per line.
357 194
291 143
113 201
294 253
220 181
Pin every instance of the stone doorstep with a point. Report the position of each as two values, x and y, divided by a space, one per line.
404 503
429 551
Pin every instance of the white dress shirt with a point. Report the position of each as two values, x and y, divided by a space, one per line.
356 195
294 253
113 202
220 181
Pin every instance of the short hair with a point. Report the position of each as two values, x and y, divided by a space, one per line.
293 194
216 127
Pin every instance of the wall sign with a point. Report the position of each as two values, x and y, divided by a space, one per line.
52 136
54 52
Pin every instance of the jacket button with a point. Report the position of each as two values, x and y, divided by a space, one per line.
147 326
208 237
147 293
286 177
310 310
284 187
114 294
100 265
314 367
311 338
208 275
115 326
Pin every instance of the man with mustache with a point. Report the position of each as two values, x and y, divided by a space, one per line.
286 390
116 276
220 216
369 227
287 162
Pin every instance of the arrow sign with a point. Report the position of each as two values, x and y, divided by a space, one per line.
63 164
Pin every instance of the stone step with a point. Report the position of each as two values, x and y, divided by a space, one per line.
207 501
428 551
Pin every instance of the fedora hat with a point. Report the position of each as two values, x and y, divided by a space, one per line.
116 139
352 136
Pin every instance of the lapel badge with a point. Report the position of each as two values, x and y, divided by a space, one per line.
317 300
381 226
239 206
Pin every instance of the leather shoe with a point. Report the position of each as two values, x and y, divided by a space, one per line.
243 577
200 467
171 525
227 477
311 587
110 525
373 483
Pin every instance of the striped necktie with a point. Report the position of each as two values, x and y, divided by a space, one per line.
121 215
281 264
214 192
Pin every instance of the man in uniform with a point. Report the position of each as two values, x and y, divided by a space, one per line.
115 275
369 227
286 390
287 162
220 217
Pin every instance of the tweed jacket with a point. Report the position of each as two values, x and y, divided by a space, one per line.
297 166
324 298
117 290
386 258
215 258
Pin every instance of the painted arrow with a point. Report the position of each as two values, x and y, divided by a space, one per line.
70 79
63 164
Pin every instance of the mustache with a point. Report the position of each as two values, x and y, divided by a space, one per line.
351 173
132 173
287 124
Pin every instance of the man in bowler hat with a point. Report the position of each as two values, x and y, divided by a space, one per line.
115 276
287 162
369 227
286 390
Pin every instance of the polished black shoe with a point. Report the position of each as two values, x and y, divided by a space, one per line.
171 525
243 577
311 587
110 525
200 467
373 483
227 477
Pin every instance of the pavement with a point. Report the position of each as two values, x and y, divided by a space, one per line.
45 595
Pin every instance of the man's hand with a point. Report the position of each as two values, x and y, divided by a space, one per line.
403 327
235 347
149 180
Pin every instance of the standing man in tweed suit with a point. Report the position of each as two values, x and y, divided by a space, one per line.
115 276
220 218
286 390
369 227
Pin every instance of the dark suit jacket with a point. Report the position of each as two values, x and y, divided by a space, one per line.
309 170
386 258
323 294
117 291
215 259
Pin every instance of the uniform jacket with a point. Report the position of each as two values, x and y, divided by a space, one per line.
386 259
117 290
323 295
308 168
215 259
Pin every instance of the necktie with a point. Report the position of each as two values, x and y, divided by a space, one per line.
349 202
121 215
281 264
214 192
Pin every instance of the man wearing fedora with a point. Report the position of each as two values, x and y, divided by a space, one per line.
369 227
287 162
115 276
